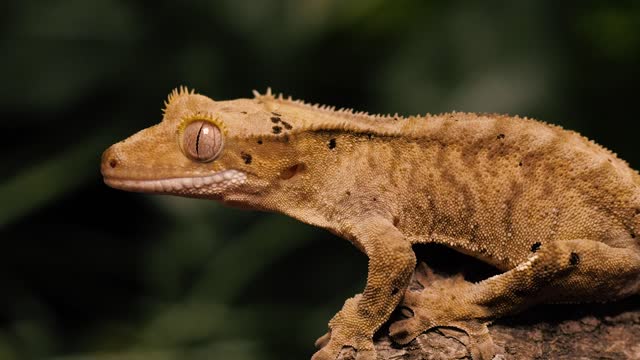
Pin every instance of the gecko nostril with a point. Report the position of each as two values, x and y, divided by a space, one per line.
113 163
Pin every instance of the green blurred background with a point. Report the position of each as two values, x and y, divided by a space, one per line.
88 272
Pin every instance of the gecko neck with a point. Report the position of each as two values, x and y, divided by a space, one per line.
315 117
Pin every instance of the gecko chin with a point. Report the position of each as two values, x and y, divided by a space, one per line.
209 185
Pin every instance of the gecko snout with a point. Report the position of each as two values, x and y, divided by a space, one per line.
109 162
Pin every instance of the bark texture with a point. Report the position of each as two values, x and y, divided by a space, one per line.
611 332
567 331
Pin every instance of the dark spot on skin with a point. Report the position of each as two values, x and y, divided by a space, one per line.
520 163
396 221
500 136
348 193
375 199
259 141
275 113
332 144
633 235
113 163
574 259
286 125
637 211
246 157
276 129
394 291
275 119
243 112
536 246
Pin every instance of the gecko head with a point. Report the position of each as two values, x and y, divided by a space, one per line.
202 148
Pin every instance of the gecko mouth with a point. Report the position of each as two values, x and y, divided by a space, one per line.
212 183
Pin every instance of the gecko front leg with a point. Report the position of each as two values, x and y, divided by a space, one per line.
391 262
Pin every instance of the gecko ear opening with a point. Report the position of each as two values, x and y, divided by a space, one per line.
292 171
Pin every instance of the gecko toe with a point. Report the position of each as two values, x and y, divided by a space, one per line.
411 299
325 354
404 331
323 340
480 344
332 349
482 350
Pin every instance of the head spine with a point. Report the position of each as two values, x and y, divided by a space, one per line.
176 93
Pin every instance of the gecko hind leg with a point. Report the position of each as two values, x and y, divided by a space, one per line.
435 290
562 271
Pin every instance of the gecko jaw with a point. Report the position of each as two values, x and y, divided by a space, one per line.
184 185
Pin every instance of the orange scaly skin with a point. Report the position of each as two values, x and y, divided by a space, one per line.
554 211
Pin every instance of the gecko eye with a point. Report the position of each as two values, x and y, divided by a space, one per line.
202 141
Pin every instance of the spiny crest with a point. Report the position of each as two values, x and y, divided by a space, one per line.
176 93
347 113
386 125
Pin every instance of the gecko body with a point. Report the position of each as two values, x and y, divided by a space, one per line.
557 213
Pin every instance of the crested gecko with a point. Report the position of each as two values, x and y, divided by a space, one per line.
555 212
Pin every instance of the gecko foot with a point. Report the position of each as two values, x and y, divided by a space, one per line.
477 339
344 333
440 305
323 340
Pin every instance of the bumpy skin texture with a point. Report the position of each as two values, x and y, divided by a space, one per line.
554 211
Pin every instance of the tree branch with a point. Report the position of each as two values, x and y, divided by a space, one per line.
574 331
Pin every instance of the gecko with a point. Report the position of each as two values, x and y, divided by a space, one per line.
556 214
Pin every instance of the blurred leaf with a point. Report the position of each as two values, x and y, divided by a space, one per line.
221 280
44 182
263 244
237 350
614 31
7 351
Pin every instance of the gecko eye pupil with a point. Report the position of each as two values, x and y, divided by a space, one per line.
202 141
